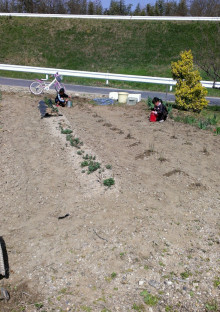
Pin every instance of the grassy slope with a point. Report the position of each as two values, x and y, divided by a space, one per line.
130 47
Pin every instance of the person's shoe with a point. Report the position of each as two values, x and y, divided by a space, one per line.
161 120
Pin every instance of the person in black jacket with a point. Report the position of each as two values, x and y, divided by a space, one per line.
159 109
62 98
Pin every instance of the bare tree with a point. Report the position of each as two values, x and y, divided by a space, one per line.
207 58
205 7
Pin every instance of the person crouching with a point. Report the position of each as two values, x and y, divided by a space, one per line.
159 110
61 98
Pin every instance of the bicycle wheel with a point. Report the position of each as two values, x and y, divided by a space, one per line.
36 87
59 86
2 262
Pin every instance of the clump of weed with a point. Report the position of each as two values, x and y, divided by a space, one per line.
89 157
38 305
93 166
108 167
216 282
151 148
211 306
149 299
185 274
113 275
109 182
216 130
138 308
84 163
149 103
66 131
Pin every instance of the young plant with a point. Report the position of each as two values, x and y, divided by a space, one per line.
149 299
93 166
109 182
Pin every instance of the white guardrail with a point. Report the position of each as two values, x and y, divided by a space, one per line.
96 75
118 17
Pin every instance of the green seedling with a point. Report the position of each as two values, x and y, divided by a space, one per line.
185 275
113 275
211 306
109 182
84 163
138 308
217 130
216 282
149 299
38 305
93 166
66 131
108 167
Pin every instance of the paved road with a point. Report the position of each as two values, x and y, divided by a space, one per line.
101 90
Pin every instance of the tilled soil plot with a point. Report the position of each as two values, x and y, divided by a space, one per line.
148 243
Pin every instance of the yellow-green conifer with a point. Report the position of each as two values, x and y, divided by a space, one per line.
190 94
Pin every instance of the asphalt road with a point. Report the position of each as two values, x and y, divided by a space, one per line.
101 90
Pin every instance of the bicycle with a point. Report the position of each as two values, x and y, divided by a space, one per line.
40 85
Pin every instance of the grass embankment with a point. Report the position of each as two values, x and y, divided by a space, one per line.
115 46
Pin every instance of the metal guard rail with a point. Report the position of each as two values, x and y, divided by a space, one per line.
96 75
118 17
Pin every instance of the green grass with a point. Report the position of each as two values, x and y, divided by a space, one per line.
115 46
149 299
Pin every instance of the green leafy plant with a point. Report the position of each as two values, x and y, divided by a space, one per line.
217 130
38 305
108 167
216 282
50 104
109 182
149 299
211 306
66 131
84 163
149 103
138 308
113 275
185 274
93 166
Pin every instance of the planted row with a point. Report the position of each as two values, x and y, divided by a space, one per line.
88 160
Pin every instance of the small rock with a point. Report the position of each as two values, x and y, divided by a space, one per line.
154 284
195 284
169 283
141 283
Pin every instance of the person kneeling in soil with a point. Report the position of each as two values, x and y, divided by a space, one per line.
62 98
159 110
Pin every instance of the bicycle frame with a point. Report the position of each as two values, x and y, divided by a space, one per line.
39 85
48 85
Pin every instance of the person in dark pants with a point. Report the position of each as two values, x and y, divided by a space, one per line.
61 98
159 110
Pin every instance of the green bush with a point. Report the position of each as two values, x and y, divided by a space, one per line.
190 94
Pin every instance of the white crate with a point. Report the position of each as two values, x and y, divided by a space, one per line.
136 96
113 95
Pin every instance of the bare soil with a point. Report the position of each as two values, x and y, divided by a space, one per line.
157 229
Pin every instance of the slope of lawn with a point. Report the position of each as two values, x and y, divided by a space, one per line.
116 46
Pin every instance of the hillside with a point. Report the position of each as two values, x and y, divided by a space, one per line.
117 46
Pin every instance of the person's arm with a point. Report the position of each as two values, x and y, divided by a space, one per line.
61 100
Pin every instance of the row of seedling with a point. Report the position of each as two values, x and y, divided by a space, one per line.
89 163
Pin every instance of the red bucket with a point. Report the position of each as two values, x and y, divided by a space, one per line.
153 117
